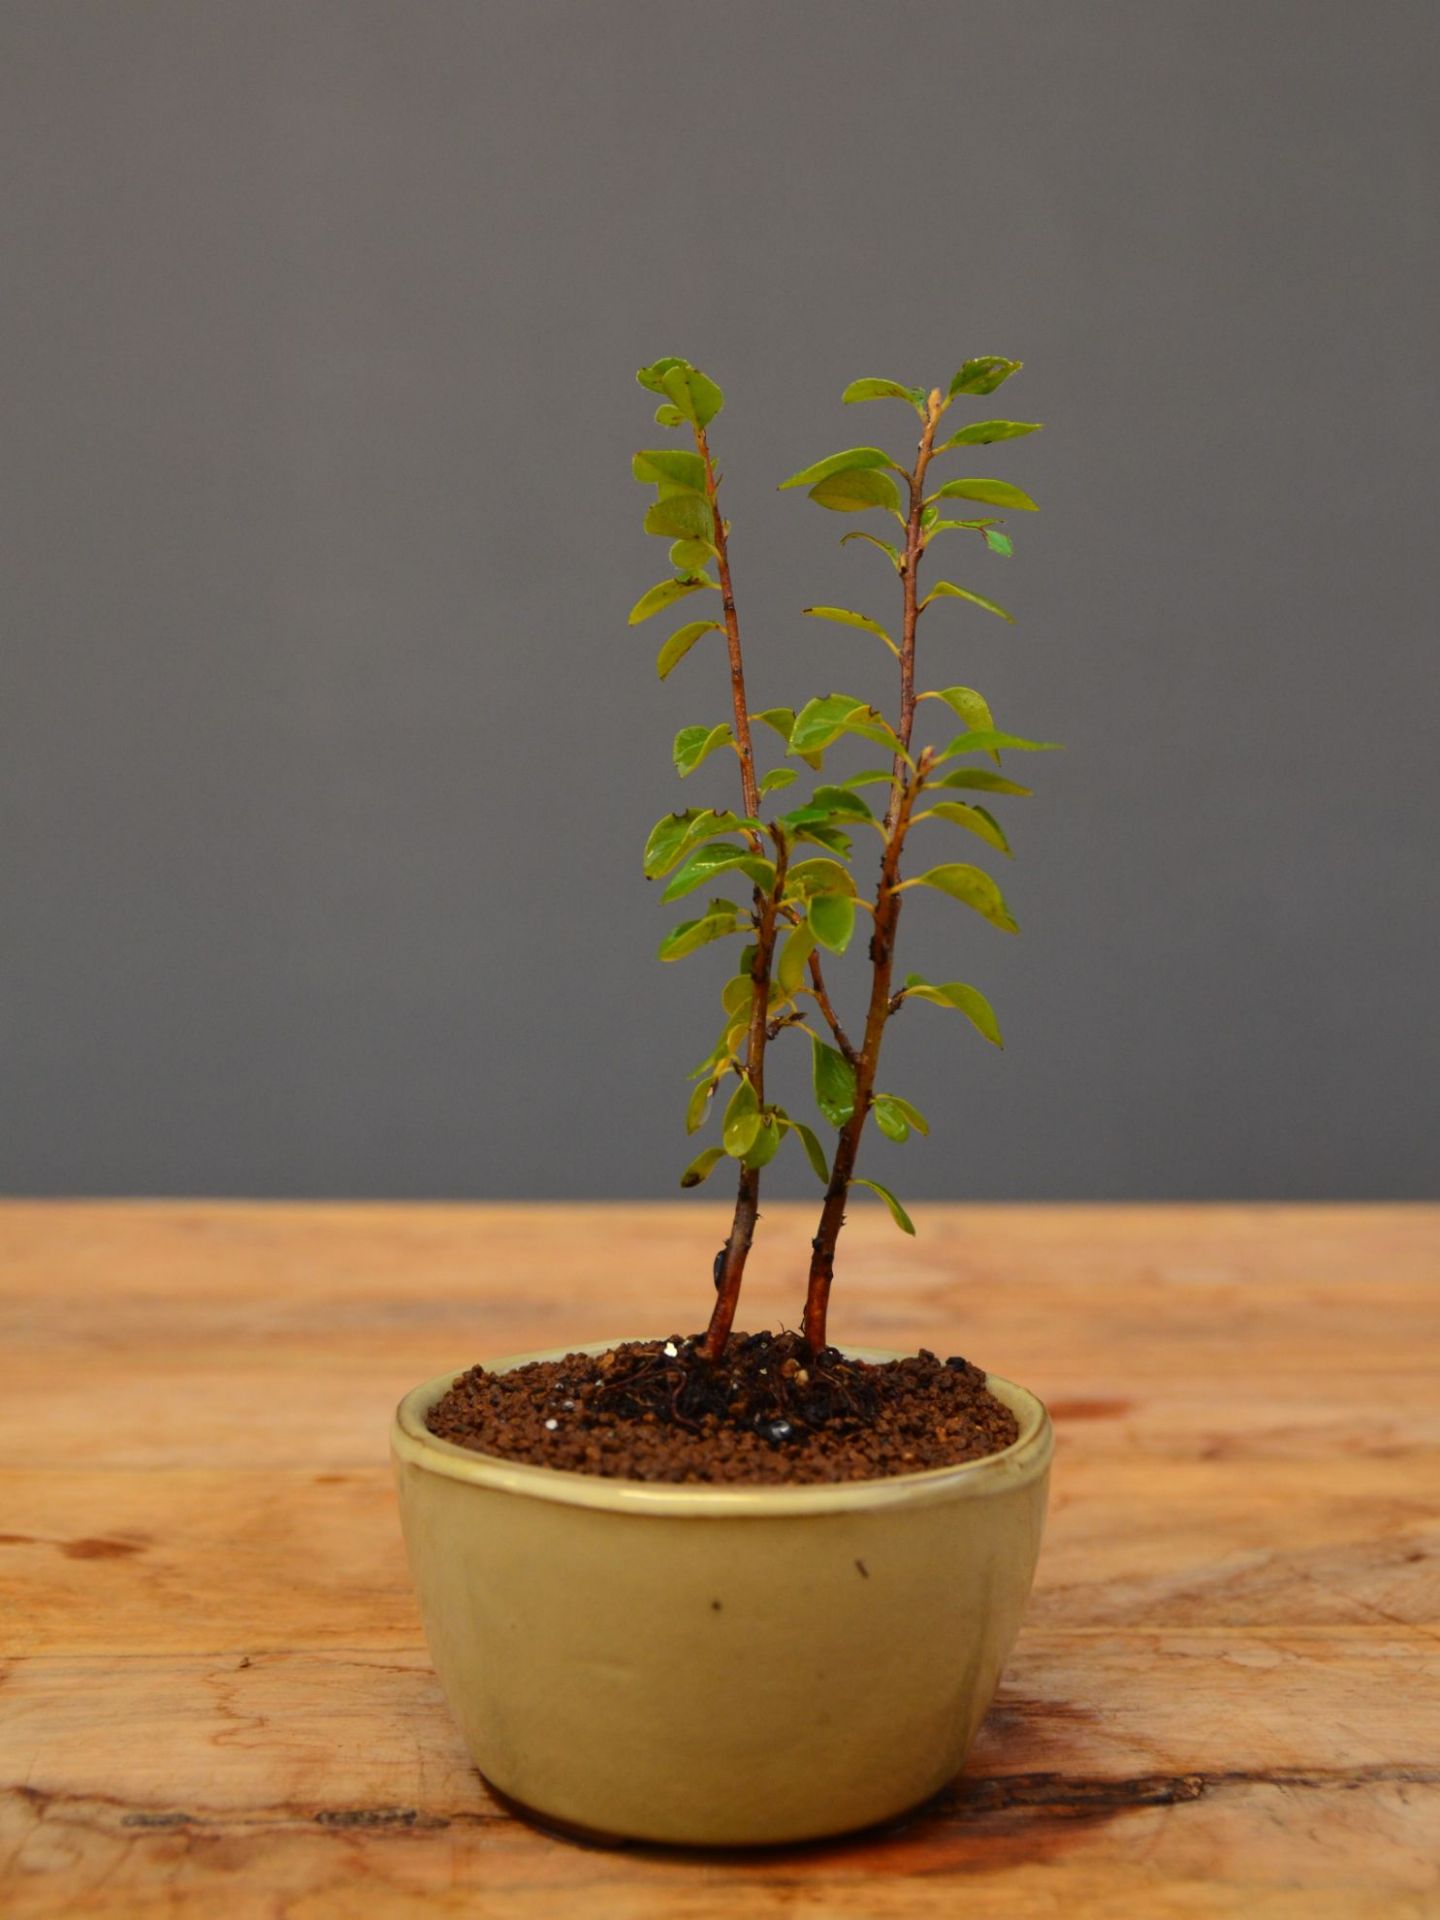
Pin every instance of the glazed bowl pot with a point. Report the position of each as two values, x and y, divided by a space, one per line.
718 1666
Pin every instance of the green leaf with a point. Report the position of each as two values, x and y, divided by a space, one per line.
721 917
667 836
975 819
814 1152
780 720
994 493
843 617
852 460
699 1106
716 857
856 489
967 1000
998 542
702 1166
777 778
972 888
947 590
983 433
665 594
871 777
697 396
668 416
656 464
983 375
895 1117
818 833
834 1080
695 744
682 516
737 994
766 1141
690 556
794 958
742 1121
893 554
679 644
981 780
988 740
881 390
832 920
840 800
822 721
653 376
897 1212
972 707
809 877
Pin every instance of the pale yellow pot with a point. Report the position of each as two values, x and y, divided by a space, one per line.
718 1666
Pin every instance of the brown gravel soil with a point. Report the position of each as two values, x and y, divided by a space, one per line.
767 1414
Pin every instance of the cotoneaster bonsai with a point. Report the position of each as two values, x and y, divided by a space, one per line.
728 1588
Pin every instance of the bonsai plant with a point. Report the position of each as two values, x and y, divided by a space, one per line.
873 1520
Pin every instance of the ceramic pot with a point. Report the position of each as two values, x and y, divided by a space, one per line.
718 1666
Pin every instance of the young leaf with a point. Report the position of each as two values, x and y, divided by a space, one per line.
972 707
988 740
717 857
998 542
834 1079
682 516
967 1000
819 722
695 744
881 390
947 590
871 777
856 489
983 433
667 836
975 819
972 888
994 493
742 1121
699 1107
897 1212
981 780
679 644
809 877
895 1117
793 960
893 554
665 594
721 917
652 377
697 397
702 1166
680 469
780 720
814 1152
983 375
831 917
843 617
668 416
737 994
840 800
777 778
690 556
853 458
763 1146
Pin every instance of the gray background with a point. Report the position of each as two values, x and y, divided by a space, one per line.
327 752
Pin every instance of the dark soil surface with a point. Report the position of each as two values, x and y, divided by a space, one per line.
768 1413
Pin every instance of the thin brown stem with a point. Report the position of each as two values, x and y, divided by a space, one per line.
832 1019
904 792
730 1268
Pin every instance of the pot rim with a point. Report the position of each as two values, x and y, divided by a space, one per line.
1025 1459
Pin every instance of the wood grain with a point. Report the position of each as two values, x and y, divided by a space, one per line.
215 1700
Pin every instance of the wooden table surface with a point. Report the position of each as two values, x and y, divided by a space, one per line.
216 1700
